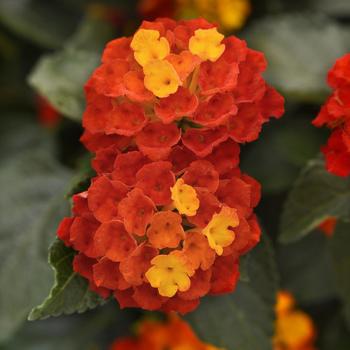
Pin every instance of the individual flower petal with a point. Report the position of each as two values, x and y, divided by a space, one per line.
147 297
272 103
200 285
134 267
63 231
155 180
125 298
96 141
156 140
246 125
127 165
108 80
236 194
82 233
181 157
250 85
166 230
106 274
219 230
207 44
126 119
184 63
137 211
117 49
97 113
184 198
339 75
180 305
235 50
216 110
179 105
224 266
202 173
161 78
104 159
218 77
225 156
209 205
80 206
337 155
149 46
202 141
169 274
83 265
134 87
104 196
113 241
197 252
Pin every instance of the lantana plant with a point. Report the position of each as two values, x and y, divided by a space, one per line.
169 213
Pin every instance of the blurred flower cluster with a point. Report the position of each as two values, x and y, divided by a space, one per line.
336 115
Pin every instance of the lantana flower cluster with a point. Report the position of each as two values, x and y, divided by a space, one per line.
295 330
172 334
335 114
169 213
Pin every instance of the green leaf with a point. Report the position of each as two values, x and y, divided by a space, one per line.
339 245
45 23
60 76
335 335
31 205
300 49
99 328
316 196
340 8
244 319
305 268
292 142
70 292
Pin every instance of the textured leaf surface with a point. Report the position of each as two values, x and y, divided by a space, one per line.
340 244
305 268
70 292
292 142
31 205
315 196
38 20
60 76
244 319
300 49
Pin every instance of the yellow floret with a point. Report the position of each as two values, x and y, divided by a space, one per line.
169 274
148 46
206 43
161 78
219 230
185 198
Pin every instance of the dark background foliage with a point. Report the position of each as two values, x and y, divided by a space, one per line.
50 48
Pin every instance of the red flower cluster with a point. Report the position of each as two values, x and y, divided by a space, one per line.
169 213
335 113
158 335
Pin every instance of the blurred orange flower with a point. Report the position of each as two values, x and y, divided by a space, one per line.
173 334
229 14
295 329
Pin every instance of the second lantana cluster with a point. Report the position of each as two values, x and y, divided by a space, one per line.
169 213
335 114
